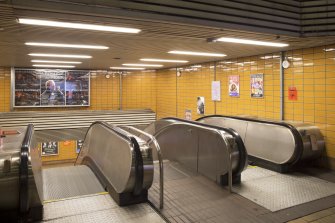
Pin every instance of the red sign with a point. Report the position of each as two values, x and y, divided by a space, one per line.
292 94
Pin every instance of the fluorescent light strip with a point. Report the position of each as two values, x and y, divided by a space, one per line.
329 49
67 45
59 55
141 65
163 60
127 68
53 65
197 53
251 42
73 25
55 61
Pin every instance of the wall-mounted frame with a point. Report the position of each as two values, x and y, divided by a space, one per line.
49 148
50 88
257 85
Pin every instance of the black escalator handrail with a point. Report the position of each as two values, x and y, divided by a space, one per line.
299 146
24 171
243 155
139 172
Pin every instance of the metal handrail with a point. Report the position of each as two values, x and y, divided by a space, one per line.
230 169
159 154
24 171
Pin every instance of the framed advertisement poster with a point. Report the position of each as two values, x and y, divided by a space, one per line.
201 105
234 85
50 88
257 87
79 145
216 91
49 148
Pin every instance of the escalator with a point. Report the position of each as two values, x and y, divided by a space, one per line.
112 161
279 146
211 151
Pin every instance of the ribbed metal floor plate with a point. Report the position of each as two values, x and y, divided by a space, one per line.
276 191
69 181
193 198
98 208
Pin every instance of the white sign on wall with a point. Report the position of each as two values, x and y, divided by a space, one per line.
216 91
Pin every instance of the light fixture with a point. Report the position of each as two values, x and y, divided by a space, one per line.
141 65
197 53
67 45
59 55
329 49
127 68
55 61
73 25
252 42
163 60
53 65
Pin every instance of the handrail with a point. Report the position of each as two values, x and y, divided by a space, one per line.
242 153
210 129
159 154
139 172
24 171
298 150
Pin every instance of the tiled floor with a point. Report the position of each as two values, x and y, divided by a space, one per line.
325 216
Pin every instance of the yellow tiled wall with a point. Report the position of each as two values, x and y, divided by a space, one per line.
166 96
266 107
66 151
139 90
4 89
104 91
312 72
195 81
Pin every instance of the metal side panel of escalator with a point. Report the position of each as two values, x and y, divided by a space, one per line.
210 151
279 146
111 160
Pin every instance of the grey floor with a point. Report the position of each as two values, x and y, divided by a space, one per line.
99 209
194 198
74 194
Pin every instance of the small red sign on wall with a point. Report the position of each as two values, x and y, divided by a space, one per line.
292 93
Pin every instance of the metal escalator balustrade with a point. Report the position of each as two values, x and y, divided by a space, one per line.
122 162
150 139
279 146
211 151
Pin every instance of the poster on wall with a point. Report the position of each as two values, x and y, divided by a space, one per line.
188 114
234 85
49 88
49 148
256 83
79 145
201 105
216 91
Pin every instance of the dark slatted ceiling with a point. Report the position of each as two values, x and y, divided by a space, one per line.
318 17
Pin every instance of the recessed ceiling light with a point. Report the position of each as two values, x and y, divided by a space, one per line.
127 68
59 55
73 25
141 65
55 61
53 65
252 42
67 45
163 60
197 53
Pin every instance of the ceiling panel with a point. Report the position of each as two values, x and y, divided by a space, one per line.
155 40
